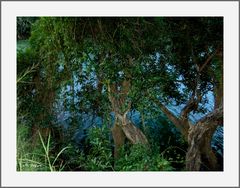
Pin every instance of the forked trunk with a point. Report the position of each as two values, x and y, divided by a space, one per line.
123 127
133 133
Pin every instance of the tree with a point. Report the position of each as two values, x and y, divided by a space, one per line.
121 63
114 49
197 58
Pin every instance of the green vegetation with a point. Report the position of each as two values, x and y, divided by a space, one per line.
22 45
99 156
140 158
119 94
37 158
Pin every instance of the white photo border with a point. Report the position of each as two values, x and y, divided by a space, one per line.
227 9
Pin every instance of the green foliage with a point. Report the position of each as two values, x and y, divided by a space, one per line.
25 57
24 25
27 68
175 156
99 157
163 135
76 59
163 132
22 45
192 41
141 158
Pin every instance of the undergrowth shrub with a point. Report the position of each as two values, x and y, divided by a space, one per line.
99 157
167 141
141 158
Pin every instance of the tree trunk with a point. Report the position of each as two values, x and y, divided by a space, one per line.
118 138
200 152
133 133
44 98
123 127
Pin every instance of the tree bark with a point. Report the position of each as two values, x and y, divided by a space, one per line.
45 96
199 136
118 138
133 133
123 127
200 152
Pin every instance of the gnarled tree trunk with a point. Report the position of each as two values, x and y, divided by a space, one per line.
199 140
199 136
200 152
123 127
132 133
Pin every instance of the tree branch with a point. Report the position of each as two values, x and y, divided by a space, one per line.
208 60
191 105
216 116
175 120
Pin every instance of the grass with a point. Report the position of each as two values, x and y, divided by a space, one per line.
28 158
47 154
37 158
